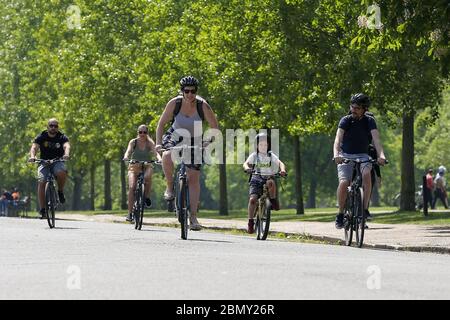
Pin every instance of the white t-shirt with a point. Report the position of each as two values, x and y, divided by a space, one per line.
266 164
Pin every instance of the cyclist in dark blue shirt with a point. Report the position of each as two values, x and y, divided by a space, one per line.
354 134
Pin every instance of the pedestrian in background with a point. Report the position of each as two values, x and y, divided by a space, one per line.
440 184
429 188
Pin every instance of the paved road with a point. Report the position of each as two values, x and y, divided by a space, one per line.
92 260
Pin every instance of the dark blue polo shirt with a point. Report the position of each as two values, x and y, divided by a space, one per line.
357 136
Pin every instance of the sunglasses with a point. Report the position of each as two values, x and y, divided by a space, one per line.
355 107
142 132
193 91
53 126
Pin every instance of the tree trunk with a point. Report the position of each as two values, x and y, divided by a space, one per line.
16 84
407 171
298 176
223 210
108 199
312 193
123 183
77 190
92 189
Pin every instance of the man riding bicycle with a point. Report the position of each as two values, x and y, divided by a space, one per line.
185 111
353 137
52 144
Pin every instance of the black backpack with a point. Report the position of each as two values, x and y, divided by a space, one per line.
178 103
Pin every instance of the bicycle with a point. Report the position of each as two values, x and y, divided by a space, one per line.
139 193
263 208
51 197
354 217
181 203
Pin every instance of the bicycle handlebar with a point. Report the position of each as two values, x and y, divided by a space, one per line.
48 161
131 161
185 146
357 160
275 175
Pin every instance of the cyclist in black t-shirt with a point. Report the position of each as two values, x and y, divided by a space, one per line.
52 144
354 134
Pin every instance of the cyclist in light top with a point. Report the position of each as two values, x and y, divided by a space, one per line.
140 148
353 136
184 111
267 164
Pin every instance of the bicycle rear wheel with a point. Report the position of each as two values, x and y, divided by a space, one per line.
139 207
348 221
183 211
359 217
263 221
50 204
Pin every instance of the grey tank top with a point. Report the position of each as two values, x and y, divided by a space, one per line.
141 155
187 123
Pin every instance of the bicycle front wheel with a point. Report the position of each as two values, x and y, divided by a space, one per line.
360 217
139 208
50 203
183 211
348 221
263 221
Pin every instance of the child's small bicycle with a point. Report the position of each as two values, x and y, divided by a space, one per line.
263 208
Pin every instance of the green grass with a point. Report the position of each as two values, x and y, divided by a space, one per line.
387 215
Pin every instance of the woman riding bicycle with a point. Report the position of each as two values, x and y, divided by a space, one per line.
266 163
186 111
140 149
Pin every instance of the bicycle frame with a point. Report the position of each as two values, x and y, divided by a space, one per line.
263 209
139 193
354 218
182 198
51 198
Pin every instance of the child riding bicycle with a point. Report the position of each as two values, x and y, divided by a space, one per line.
266 164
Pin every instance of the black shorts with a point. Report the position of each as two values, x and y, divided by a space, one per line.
256 185
168 141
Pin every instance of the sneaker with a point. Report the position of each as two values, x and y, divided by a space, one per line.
368 215
42 213
148 202
194 225
61 197
339 221
251 226
275 204
129 217
168 195
171 206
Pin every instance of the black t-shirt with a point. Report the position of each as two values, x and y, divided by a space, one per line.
8 195
51 147
357 135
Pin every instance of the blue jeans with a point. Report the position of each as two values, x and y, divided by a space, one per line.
4 207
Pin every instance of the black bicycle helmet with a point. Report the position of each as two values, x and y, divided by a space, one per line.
361 100
188 81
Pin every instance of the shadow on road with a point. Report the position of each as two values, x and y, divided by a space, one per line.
204 240
67 228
